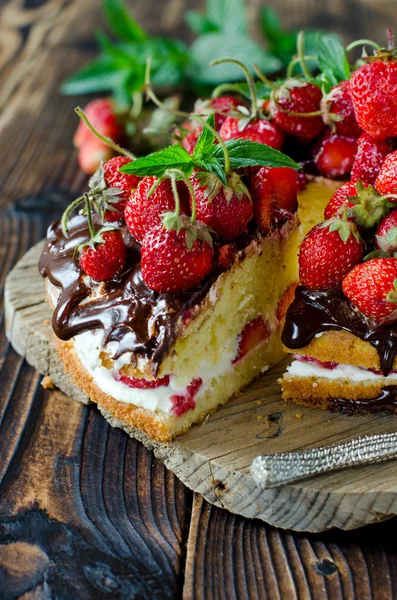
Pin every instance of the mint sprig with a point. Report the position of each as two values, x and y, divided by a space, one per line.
244 153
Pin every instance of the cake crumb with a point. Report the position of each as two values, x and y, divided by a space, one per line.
47 322
259 417
47 383
299 416
259 402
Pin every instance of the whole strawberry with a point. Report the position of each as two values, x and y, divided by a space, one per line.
386 182
143 212
338 110
225 210
297 96
340 200
124 182
170 264
102 116
91 154
369 158
371 286
386 234
336 156
274 195
257 130
105 256
373 89
328 252
221 106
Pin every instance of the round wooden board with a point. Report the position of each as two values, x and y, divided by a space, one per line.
213 458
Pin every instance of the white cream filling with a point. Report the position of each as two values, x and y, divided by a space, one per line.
88 346
299 368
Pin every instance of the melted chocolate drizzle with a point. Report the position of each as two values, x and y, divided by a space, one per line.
315 311
139 319
385 402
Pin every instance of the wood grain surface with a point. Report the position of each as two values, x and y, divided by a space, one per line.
85 511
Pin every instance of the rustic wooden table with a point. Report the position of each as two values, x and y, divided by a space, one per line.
85 511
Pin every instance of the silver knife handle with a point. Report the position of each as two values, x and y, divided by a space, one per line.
279 469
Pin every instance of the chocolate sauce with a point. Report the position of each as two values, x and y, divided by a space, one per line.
385 402
315 311
139 319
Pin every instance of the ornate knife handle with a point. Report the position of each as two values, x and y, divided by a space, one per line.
279 469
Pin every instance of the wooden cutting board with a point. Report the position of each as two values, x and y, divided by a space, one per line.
213 458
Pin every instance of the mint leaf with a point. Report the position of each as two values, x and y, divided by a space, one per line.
173 157
228 15
121 22
244 153
214 166
99 75
332 57
206 139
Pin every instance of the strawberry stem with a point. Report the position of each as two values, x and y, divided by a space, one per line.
225 87
390 38
300 44
150 94
177 172
175 193
362 43
104 139
67 212
263 78
154 186
249 78
89 216
295 61
218 137
314 113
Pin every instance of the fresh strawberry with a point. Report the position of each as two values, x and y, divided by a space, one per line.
168 265
339 111
297 96
336 156
91 154
274 195
386 182
285 302
182 403
190 140
226 255
371 286
369 159
302 180
225 210
221 106
120 181
373 89
328 252
102 117
142 213
105 256
255 333
143 384
340 200
257 130
386 234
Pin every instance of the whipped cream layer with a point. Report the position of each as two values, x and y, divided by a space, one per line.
301 368
89 345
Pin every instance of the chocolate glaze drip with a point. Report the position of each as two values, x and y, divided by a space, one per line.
140 320
315 311
385 402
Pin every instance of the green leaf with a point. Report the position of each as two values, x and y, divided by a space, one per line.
99 75
332 57
214 46
173 157
228 15
121 22
199 23
206 139
212 165
244 153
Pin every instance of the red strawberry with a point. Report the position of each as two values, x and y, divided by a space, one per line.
190 140
369 159
91 154
386 182
222 107
143 384
225 210
274 195
226 255
336 156
371 286
327 254
257 130
101 115
335 207
181 403
121 181
298 96
386 234
285 302
107 258
373 89
255 333
143 213
339 111
168 265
